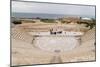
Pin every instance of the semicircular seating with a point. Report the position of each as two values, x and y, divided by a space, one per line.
24 52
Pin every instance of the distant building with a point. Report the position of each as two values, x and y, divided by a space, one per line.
88 20
71 19
85 18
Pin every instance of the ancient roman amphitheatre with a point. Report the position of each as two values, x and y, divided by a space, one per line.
47 41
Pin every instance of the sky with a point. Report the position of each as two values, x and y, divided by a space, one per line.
33 7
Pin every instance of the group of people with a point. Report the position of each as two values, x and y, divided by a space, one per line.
55 32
